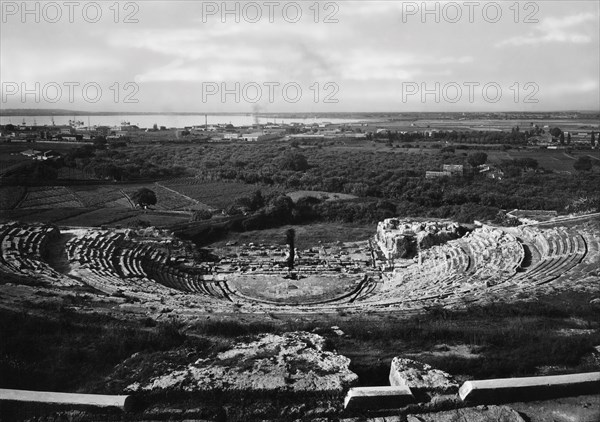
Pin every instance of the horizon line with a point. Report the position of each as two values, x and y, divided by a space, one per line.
50 112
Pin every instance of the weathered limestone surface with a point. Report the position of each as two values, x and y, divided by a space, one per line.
529 388
420 376
378 398
293 361
402 238
472 414
49 397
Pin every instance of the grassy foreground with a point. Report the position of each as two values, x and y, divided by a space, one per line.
62 350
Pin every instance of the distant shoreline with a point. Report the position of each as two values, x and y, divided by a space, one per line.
363 114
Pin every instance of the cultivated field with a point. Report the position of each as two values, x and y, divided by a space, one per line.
49 197
168 198
105 196
214 194
10 196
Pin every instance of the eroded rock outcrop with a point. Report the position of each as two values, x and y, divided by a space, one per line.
294 362
402 238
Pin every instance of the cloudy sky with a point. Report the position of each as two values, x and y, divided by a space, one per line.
300 56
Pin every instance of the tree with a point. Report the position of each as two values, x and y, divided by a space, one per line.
280 209
144 197
527 163
257 200
42 172
200 215
477 159
583 163
100 142
251 202
555 132
294 161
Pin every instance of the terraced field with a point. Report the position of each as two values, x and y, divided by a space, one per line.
49 197
214 194
101 196
169 199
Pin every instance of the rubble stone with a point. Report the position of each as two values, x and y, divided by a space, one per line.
420 376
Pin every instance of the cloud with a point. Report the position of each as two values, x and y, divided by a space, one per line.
577 87
399 66
368 53
194 71
362 9
552 29
19 65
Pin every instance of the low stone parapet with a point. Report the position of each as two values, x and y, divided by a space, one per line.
95 400
504 390
378 398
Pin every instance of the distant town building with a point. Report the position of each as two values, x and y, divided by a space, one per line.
252 137
180 133
259 136
447 171
51 155
31 153
491 172
436 174
231 135
102 130
454 169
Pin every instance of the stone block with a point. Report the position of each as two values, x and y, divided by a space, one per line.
378 398
48 397
503 390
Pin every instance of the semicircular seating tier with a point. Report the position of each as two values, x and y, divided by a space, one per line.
488 264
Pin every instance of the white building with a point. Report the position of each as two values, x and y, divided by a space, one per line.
259 136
